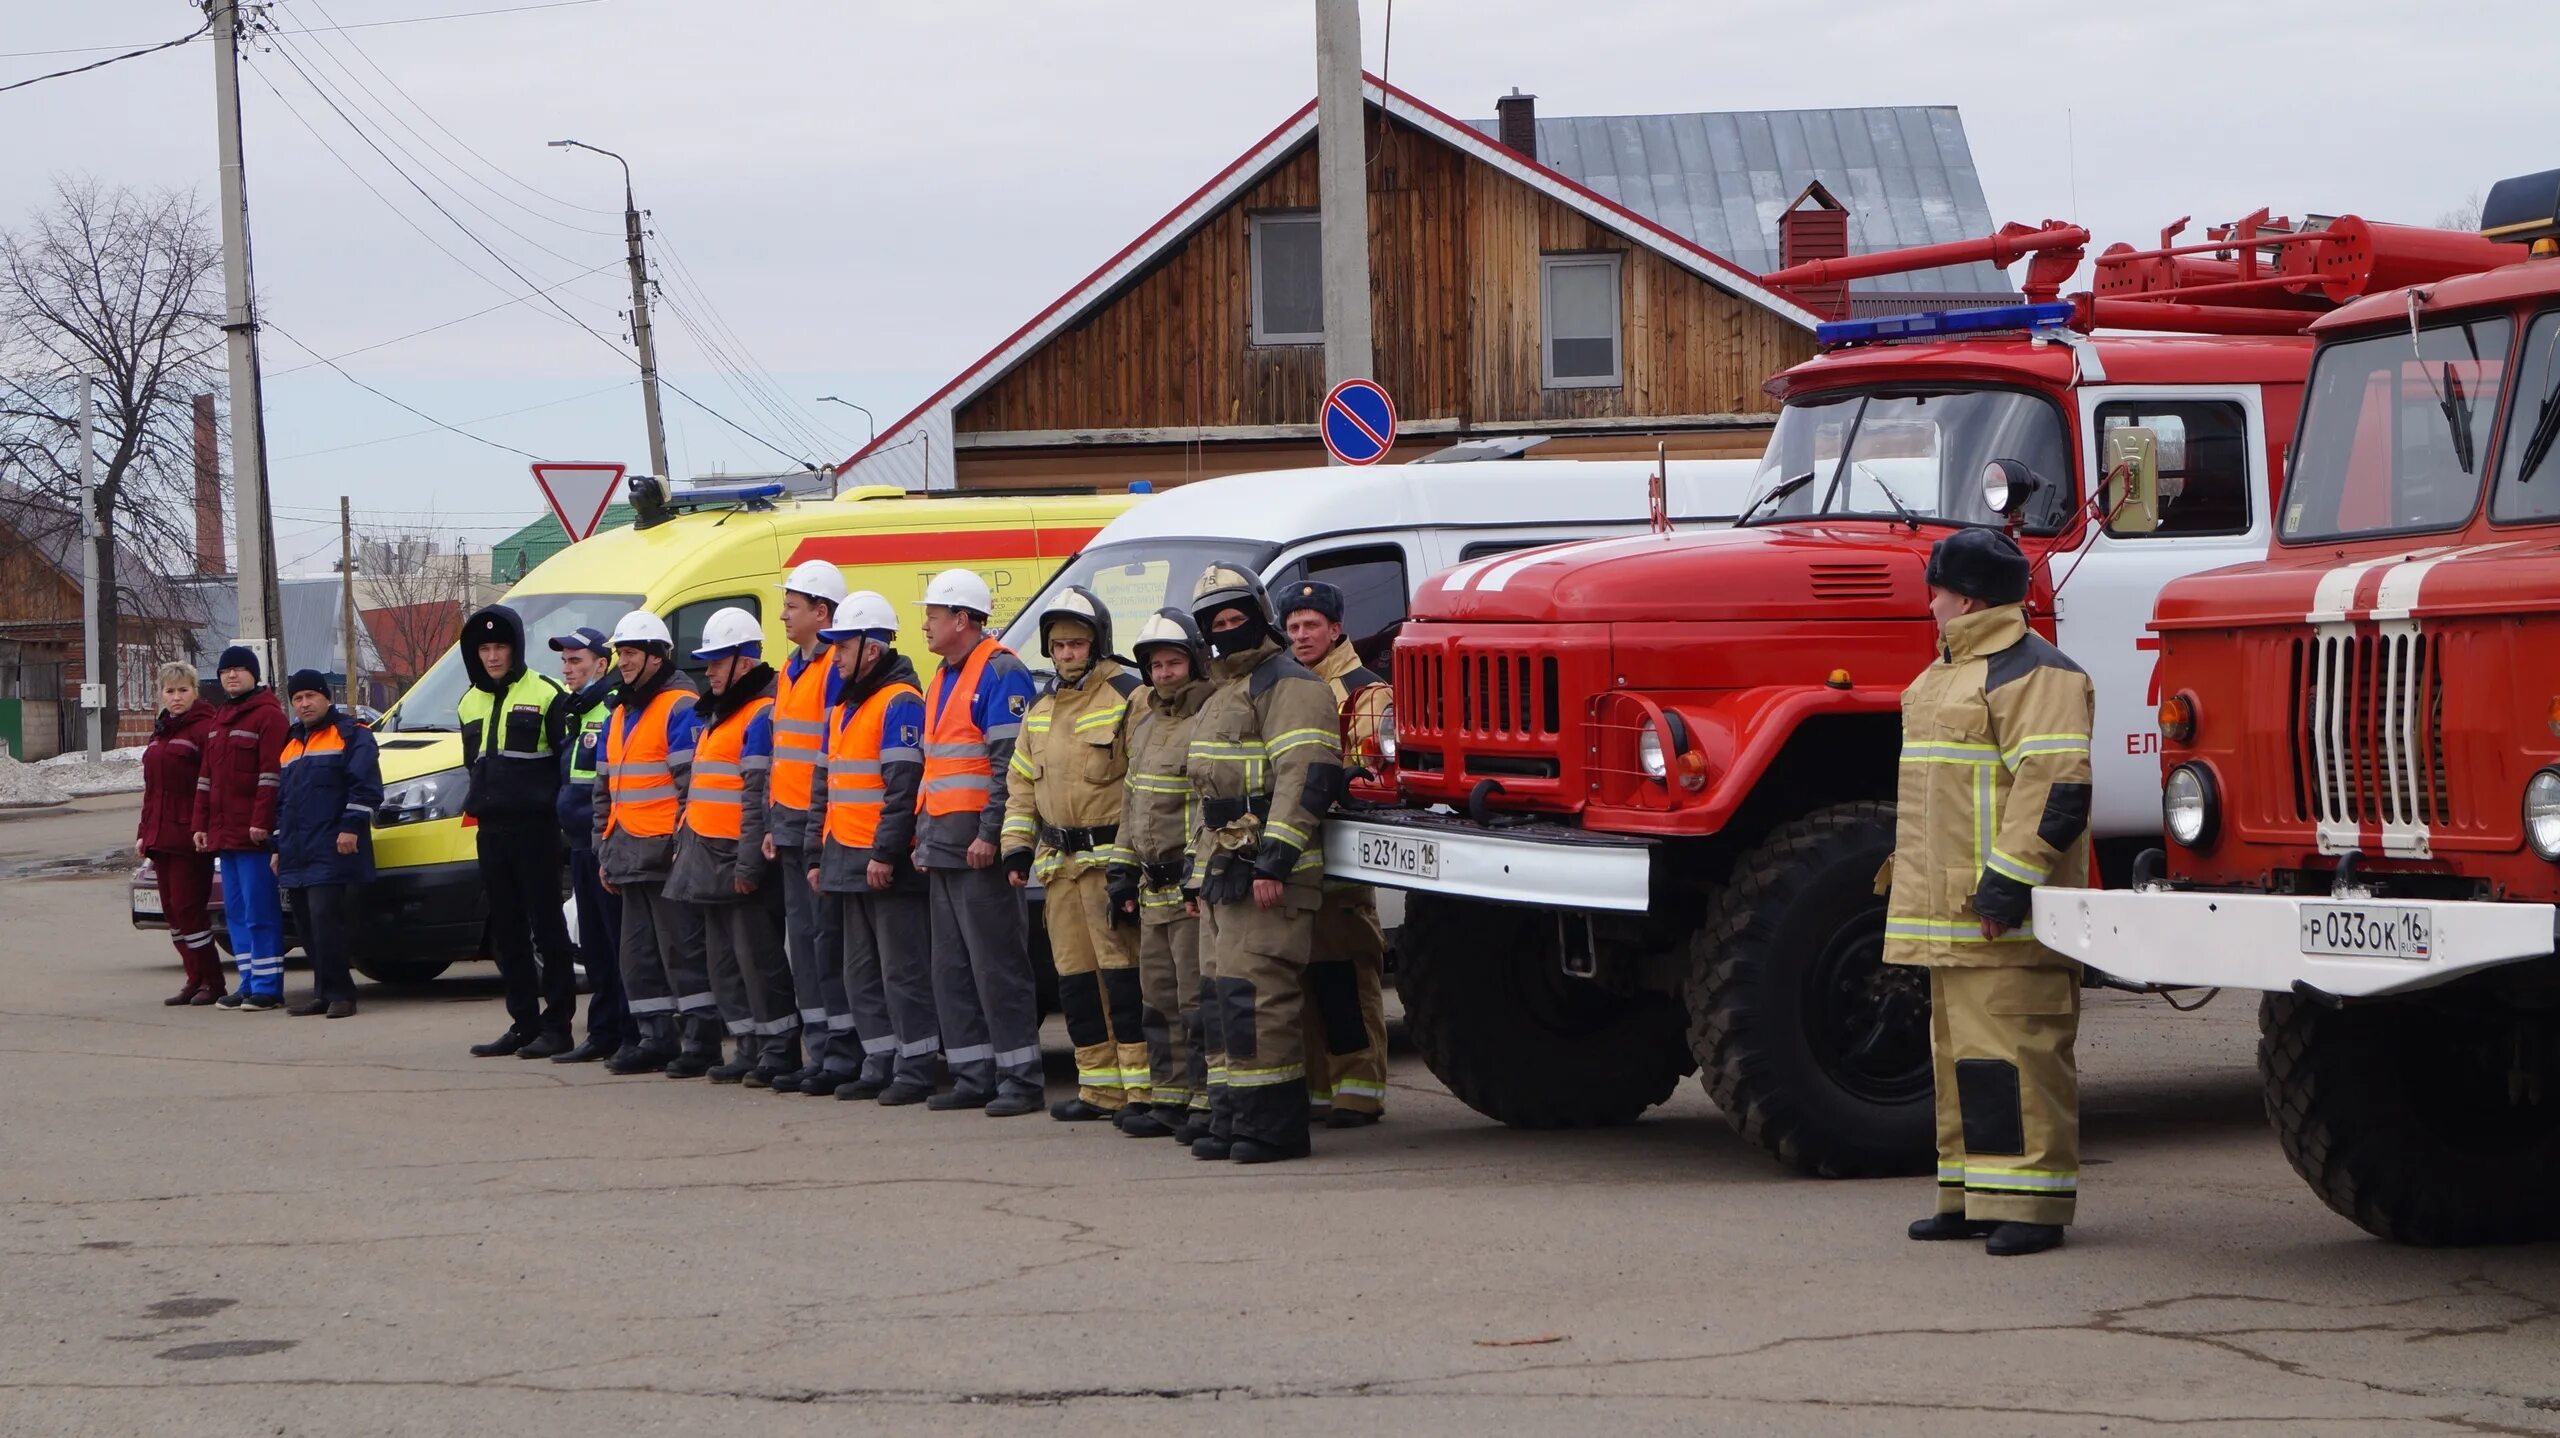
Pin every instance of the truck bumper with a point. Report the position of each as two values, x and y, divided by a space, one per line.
424 911
1551 866
2256 941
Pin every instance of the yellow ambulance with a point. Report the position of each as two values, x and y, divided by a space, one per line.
692 552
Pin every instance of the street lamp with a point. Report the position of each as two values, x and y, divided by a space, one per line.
866 415
639 305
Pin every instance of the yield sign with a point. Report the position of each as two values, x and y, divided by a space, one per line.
578 492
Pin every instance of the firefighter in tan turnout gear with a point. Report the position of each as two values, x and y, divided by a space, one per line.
1266 763
1156 825
1062 826
1994 800
1346 980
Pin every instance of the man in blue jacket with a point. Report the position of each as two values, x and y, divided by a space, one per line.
586 669
332 783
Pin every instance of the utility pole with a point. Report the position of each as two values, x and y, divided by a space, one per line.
639 309
93 691
260 607
1342 192
347 597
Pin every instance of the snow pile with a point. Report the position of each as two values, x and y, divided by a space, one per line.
22 784
79 778
132 754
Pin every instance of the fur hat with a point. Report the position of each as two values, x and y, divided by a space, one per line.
1983 564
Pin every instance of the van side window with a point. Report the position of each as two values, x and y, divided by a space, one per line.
2204 456
1487 548
686 625
1375 596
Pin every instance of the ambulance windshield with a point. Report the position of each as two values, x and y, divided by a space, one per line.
432 704
1133 578
1926 449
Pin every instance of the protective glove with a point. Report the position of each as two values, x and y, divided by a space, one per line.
1120 883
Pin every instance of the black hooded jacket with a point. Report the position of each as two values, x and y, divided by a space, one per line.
511 726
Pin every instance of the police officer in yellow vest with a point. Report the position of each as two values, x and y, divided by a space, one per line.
586 669
511 727
1156 824
865 813
1347 1022
1266 763
801 686
1062 826
1994 800
648 755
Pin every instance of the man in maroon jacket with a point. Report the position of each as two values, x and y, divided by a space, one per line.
236 818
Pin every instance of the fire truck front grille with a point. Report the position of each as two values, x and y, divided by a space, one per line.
1477 693
2368 730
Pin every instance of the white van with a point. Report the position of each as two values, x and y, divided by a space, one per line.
1377 533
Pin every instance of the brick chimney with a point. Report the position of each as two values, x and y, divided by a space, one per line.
1518 123
209 556
1816 227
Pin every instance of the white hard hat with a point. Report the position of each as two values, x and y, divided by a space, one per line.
817 579
731 631
862 612
960 589
642 627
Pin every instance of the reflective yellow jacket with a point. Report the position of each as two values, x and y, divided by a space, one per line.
1994 794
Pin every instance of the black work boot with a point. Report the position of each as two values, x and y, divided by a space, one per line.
855 1089
958 1098
550 1045
1351 1118
694 1062
1254 1150
2012 1239
1014 1103
900 1095
1141 1122
818 1083
1212 1145
1076 1110
1951 1225
501 1046
588 1051
638 1058
734 1071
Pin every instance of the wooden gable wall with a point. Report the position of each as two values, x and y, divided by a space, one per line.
1454 247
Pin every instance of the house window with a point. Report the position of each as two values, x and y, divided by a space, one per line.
1288 279
1578 312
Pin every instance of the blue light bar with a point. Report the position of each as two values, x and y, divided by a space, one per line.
730 494
1945 322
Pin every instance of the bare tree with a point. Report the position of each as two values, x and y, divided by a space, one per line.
412 596
120 289
2463 216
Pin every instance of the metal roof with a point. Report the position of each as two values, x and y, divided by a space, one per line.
1722 179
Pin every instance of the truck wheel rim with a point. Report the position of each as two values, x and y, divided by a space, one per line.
1867 1021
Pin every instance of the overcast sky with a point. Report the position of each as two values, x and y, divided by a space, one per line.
865 196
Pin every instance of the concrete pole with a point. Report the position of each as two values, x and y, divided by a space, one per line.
93 690
347 599
260 609
1342 185
640 329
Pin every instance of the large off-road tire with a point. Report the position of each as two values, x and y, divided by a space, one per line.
1814 1048
2423 1120
1494 1015
401 971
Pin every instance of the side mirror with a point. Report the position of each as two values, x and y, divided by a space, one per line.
2132 495
2007 485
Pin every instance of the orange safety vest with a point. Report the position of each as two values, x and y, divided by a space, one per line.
637 774
715 804
855 787
327 741
958 779
800 730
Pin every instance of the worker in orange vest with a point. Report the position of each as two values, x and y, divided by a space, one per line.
720 864
982 986
802 688
647 756
862 824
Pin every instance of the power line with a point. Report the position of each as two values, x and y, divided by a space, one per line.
387 399
813 428
738 381
448 324
360 25
479 419
111 60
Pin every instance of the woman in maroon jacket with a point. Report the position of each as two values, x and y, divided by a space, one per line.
166 835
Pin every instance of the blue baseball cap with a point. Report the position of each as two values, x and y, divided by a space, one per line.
588 638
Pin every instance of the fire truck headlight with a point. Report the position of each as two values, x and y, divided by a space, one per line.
1387 732
2542 813
2189 805
1649 752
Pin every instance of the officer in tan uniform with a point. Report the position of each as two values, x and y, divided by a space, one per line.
1062 826
1266 764
1347 1022
1994 800
1156 825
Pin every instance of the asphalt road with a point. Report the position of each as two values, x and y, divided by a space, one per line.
235 1224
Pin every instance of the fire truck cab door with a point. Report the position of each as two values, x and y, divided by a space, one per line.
2213 448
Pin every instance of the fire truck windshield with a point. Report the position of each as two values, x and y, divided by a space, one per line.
2394 430
1915 454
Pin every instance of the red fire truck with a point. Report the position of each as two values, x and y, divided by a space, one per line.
2361 742
1644 784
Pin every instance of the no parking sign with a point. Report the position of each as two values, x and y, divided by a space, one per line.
1359 422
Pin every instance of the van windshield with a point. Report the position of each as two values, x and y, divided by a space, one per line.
1134 578
431 705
